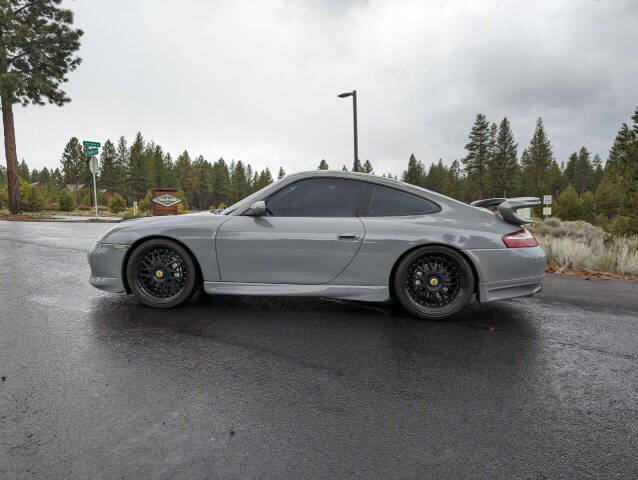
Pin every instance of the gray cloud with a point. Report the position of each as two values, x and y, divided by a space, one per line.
257 81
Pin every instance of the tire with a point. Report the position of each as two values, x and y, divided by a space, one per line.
161 273
434 283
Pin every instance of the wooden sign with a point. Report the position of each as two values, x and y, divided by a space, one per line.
164 201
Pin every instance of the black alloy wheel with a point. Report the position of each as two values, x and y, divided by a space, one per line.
161 273
434 282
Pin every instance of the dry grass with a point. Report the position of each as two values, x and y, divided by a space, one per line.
582 247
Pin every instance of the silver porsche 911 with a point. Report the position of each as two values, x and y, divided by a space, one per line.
330 234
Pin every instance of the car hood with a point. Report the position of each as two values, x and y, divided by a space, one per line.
202 224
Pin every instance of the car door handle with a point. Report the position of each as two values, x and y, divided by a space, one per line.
348 236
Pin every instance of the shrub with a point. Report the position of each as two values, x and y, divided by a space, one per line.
145 204
32 198
4 197
183 205
116 204
625 226
85 208
128 215
66 201
569 206
51 206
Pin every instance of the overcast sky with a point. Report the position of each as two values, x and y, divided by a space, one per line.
257 81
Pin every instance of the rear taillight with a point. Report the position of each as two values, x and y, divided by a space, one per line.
519 238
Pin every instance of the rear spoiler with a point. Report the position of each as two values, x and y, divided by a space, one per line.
508 207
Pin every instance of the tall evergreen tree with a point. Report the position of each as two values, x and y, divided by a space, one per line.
108 159
478 153
120 168
281 173
536 162
221 183
184 174
239 184
503 166
367 167
323 165
23 171
136 170
415 174
37 50
74 165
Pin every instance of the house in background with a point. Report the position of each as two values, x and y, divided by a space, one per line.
81 186
106 192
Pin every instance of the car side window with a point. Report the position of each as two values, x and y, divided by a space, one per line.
388 201
317 197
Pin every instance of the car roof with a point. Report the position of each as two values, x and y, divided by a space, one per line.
366 177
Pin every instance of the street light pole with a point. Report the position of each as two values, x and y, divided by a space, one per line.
353 94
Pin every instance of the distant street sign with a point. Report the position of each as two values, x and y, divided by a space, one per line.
547 199
93 164
91 152
87 143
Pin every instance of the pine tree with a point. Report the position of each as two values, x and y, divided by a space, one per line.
503 166
37 48
344 169
184 174
120 169
23 171
281 173
323 165
568 205
476 161
620 147
536 161
415 174
136 170
356 166
238 182
597 165
367 167
608 195
108 159
583 172
221 183
74 165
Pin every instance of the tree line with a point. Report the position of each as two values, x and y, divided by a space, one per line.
584 187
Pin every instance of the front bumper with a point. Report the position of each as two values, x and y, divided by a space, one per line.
508 272
106 261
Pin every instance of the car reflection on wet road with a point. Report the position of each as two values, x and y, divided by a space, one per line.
98 386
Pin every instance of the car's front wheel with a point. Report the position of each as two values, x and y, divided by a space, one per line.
161 273
434 282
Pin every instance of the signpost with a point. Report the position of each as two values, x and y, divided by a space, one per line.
547 210
92 149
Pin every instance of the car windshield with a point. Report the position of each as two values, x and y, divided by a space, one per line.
247 199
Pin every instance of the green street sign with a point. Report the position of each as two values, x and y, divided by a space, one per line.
91 152
87 143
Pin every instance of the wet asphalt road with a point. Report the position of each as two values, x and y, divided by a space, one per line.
97 386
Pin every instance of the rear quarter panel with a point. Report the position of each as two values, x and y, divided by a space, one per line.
388 238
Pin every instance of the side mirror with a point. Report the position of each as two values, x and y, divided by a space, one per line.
258 208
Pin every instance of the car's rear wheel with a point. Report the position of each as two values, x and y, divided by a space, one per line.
434 282
161 273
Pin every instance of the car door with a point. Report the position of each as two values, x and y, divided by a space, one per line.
309 235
